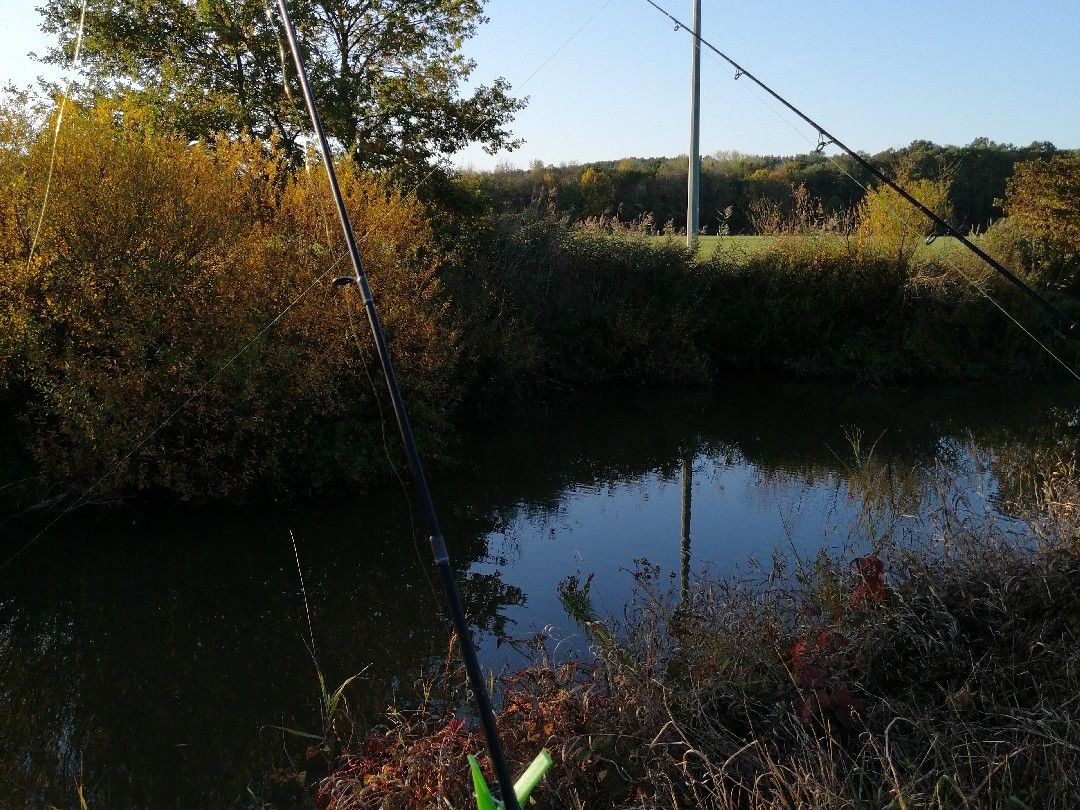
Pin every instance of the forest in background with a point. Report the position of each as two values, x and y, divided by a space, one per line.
733 184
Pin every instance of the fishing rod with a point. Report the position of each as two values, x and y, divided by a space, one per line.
825 138
512 795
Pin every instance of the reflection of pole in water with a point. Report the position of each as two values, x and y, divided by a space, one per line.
687 486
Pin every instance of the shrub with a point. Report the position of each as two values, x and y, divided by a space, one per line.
893 225
551 307
139 330
1042 203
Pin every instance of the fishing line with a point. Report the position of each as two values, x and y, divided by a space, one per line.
906 222
439 549
569 39
307 607
827 138
389 458
82 498
754 94
484 705
321 207
56 135
412 191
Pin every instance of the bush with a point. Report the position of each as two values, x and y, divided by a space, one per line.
175 331
550 307
1042 203
893 225
828 304
138 336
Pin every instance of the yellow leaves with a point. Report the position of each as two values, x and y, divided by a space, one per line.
158 263
890 223
1043 198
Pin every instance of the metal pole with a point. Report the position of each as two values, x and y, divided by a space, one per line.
693 185
438 546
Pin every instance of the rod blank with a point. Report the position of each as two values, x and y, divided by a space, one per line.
438 545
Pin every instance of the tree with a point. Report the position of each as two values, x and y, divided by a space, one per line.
894 224
597 192
1043 197
1042 201
387 74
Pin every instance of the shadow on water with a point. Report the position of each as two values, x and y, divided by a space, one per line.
148 653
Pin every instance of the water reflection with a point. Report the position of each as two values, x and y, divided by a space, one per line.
146 652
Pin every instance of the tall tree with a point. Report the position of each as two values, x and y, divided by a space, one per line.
388 74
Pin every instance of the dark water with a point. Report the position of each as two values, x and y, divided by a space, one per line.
150 654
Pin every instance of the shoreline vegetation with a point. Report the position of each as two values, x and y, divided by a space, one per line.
938 673
172 329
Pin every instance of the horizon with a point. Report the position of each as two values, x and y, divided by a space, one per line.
735 154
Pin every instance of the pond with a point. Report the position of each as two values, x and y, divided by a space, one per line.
153 655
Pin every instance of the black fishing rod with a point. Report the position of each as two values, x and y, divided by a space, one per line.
825 138
438 545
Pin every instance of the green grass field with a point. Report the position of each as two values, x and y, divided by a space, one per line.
749 245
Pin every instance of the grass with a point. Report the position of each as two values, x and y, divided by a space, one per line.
940 675
734 246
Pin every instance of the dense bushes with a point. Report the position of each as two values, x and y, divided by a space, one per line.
832 305
1041 201
603 302
551 306
159 262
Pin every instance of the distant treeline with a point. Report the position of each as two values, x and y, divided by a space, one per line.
732 183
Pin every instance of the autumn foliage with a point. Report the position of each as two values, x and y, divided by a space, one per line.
1042 201
175 327
172 326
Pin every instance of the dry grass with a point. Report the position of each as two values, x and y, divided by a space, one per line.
933 675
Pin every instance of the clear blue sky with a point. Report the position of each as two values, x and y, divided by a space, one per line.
876 73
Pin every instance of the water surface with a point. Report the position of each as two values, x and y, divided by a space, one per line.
149 653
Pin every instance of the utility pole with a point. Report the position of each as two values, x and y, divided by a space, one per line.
693 185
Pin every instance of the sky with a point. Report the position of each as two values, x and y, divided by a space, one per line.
611 78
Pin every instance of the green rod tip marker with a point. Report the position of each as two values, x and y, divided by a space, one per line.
525 784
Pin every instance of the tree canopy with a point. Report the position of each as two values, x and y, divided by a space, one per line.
388 74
